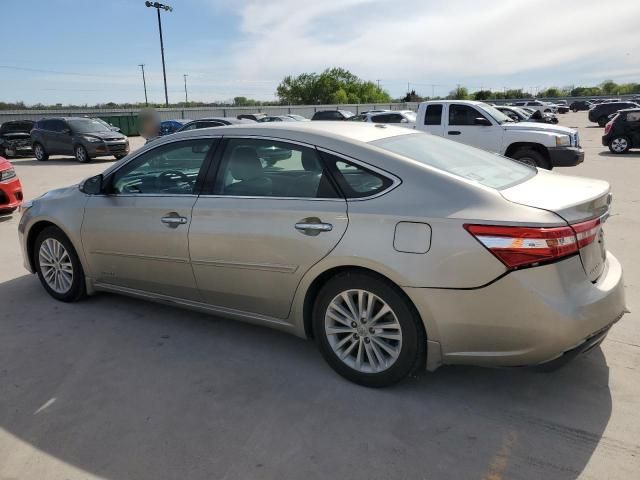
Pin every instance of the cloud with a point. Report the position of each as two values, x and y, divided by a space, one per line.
425 40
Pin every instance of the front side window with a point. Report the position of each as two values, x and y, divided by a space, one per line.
433 115
270 168
170 169
463 115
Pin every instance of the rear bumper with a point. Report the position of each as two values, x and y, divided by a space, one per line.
528 317
566 156
10 195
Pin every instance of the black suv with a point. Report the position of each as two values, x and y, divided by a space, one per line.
15 138
332 115
84 138
580 105
600 113
623 131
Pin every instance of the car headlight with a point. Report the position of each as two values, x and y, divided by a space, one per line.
7 174
92 139
563 141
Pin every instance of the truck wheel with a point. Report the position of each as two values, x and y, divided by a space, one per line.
619 144
531 157
39 152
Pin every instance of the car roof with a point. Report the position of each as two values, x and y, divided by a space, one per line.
306 131
232 120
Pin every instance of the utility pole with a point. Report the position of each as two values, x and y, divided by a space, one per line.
144 83
378 82
408 87
186 97
158 6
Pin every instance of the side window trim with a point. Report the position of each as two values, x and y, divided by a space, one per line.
395 181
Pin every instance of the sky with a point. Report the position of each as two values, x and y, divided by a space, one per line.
88 51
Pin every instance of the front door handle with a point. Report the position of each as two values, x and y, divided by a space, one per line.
172 220
454 132
313 226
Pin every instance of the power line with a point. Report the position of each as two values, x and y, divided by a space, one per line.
56 72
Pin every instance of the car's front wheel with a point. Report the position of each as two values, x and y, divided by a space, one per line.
619 144
81 154
119 157
531 157
39 152
367 330
58 266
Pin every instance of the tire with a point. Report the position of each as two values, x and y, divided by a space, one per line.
39 152
81 154
367 362
531 157
602 121
66 281
619 144
119 157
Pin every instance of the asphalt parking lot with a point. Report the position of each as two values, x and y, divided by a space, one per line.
116 388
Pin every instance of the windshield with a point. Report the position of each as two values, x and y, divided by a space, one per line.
411 116
488 169
493 112
87 125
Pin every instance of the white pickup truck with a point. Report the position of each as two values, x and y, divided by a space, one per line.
481 125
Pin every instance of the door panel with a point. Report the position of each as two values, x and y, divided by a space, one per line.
461 128
128 244
248 255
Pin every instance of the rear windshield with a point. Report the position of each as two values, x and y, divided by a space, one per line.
488 169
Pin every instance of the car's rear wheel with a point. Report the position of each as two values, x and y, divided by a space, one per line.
367 330
531 157
81 154
39 152
58 266
619 144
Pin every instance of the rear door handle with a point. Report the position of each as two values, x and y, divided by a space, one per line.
313 228
173 220
454 132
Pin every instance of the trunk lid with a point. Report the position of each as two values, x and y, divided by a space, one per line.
575 200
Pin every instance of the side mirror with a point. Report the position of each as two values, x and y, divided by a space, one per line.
114 128
66 131
481 121
92 185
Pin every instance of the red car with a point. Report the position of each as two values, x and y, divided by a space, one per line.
10 188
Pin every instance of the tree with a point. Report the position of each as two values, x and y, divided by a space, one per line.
550 92
609 87
460 93
334 85
482 95
412 96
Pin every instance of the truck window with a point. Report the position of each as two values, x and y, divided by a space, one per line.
433 115
463 115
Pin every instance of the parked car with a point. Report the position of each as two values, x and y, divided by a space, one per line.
251 116
299 118
524 114
393 249
562 106
15 138
84 138
481 125
213 122
332 115
404 118
542 107
600 112
277 118
580 105
623 131
10 188
168 127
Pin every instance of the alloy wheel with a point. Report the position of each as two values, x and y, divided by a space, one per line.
81 154
39 151
55 265
363 331
619 144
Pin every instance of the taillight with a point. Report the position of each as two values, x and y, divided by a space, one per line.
607 127
526 246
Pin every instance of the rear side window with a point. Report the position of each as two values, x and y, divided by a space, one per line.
433 115
387 118
633 117
473 164
354 180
